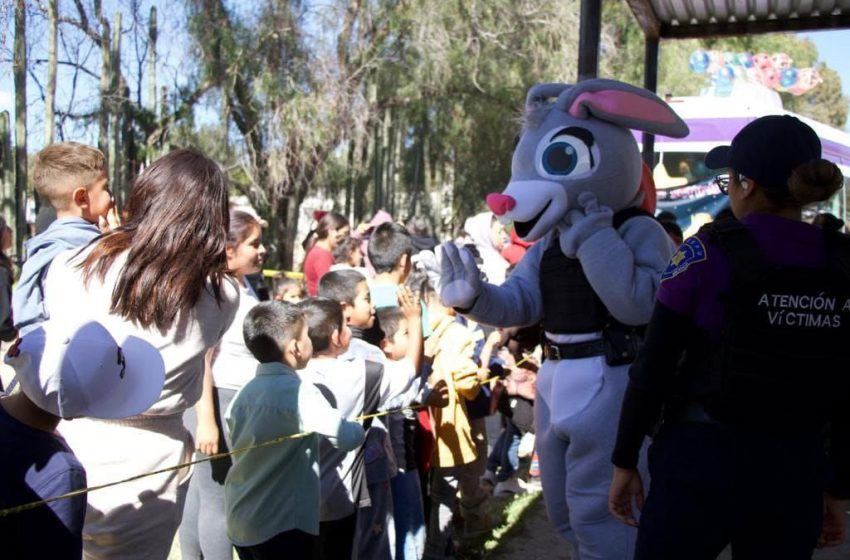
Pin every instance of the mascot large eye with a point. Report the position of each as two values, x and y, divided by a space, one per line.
562 156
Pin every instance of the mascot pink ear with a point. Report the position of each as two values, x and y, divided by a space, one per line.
647 187
623 105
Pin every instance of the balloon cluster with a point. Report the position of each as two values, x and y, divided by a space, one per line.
770 70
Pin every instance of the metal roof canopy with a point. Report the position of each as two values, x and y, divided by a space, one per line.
681 19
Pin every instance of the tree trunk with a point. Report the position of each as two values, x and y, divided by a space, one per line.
50 90
446 184
150 102
20 74
377 202
105 81
152 33
287 229
419 172
114 104
398 150
361 186
352 176
164 143
386 143
126 149
7 170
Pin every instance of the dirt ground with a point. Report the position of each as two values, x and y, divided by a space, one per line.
534 539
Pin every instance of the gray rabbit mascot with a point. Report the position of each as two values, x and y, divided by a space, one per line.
576 188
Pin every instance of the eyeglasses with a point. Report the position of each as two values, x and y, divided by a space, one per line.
722 181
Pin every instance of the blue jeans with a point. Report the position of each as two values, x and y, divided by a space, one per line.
409 516
504 459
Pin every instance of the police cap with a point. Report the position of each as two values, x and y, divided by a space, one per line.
768 149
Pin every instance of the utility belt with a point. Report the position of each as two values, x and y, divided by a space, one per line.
573 350
619 344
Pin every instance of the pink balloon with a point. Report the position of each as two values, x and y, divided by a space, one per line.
762 61
770 78
781 61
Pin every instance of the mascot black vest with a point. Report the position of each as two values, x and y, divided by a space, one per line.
782 355
570 305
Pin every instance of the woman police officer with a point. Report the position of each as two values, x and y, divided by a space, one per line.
745 364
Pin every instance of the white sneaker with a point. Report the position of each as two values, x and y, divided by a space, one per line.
508 488
532 484
526 445
488 480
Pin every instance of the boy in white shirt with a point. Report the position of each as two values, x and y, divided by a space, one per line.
355 386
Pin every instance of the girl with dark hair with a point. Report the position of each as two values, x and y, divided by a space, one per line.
228 367
330 230
348 255
162 276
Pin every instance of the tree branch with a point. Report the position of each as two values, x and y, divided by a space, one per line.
82 23
71 64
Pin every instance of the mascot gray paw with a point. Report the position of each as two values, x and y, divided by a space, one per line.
460 280
584 223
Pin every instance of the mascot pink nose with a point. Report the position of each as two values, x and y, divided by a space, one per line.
500 204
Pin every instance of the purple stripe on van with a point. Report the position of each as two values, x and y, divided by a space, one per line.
833 151
723 130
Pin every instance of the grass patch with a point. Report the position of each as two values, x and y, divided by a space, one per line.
511 514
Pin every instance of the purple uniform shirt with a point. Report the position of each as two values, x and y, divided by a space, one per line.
691 294
699 272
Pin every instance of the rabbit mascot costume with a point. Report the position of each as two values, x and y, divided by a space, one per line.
577 185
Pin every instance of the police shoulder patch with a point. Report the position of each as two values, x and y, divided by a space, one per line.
691 251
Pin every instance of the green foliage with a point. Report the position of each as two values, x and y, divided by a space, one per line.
413 105
825 103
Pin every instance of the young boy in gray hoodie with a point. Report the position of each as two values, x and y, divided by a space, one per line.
72 178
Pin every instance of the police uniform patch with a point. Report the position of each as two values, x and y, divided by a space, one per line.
691 251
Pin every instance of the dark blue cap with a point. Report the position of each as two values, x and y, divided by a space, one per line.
767 150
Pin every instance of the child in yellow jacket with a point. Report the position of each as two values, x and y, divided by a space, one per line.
450 349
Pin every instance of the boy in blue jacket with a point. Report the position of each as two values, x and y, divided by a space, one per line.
72 178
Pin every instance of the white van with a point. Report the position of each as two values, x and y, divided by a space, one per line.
683 183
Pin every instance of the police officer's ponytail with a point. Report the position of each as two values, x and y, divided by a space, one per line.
814 181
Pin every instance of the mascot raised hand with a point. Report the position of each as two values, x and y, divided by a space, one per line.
576 186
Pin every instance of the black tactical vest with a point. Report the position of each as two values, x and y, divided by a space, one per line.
784 348
570 305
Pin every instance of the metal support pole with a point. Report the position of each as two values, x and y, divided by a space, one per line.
588 42
650 82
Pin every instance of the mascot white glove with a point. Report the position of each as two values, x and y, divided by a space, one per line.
584 223
427 262
460 280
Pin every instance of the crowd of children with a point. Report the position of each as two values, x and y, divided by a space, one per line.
350 424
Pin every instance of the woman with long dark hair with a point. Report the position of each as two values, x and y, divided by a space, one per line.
162 276
331 229
228 367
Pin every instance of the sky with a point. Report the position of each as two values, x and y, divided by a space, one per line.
832 49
